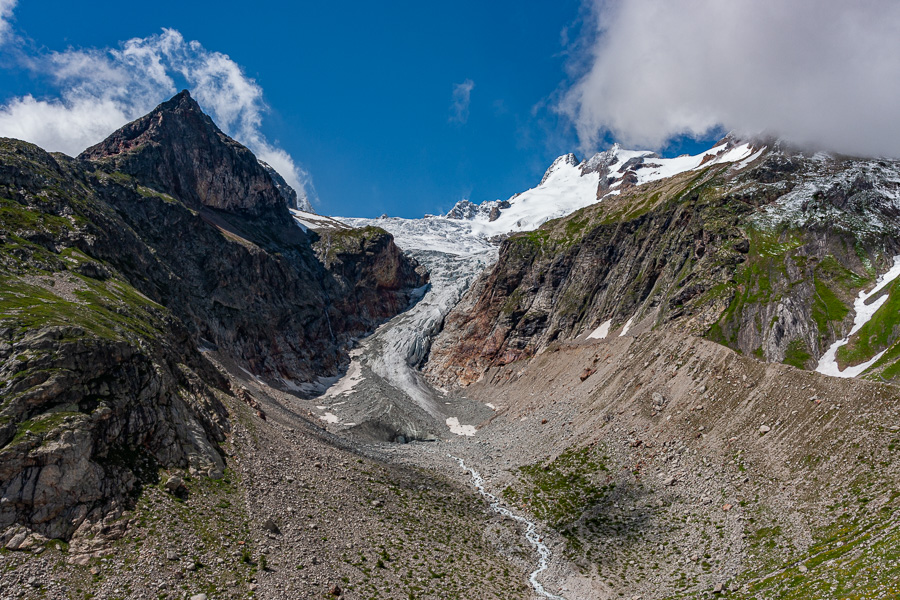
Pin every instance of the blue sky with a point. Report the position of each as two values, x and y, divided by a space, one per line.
359 94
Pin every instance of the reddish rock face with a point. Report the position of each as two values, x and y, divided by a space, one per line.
369 272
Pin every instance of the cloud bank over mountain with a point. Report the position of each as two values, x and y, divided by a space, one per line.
99 90
817 72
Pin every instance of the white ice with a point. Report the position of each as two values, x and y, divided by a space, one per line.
346 384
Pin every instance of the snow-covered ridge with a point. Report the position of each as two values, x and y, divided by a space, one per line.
648 167
567 186
309 220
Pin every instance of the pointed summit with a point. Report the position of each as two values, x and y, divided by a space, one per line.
566 159
178 150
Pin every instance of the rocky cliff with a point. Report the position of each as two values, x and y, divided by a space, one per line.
765 256
114 269
368 270
178 150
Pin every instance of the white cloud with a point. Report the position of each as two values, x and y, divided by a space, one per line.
817 72
297 177
102 89
462 96
6 11
61 126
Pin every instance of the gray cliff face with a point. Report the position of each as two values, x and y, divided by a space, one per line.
98 383
92 420
111 281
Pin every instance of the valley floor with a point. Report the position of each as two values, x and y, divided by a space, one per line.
655 466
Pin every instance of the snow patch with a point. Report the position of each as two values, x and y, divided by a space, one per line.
308 220
455 427
347 382
601 332
330 418
746 162
627 326
864 312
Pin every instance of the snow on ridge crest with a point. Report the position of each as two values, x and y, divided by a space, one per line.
565 160
568 185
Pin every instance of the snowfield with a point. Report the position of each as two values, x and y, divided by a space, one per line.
567 186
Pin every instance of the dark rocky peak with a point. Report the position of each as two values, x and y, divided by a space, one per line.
468 210
759 141
178 150
464 209
632 164
601 161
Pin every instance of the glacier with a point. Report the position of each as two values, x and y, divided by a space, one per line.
383 395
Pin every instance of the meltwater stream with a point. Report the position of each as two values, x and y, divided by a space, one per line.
530 530
385 364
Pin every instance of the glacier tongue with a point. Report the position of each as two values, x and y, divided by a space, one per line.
383 395
399 347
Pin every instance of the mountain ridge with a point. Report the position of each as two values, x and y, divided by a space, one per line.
178 150
121 299
718 214
609 374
